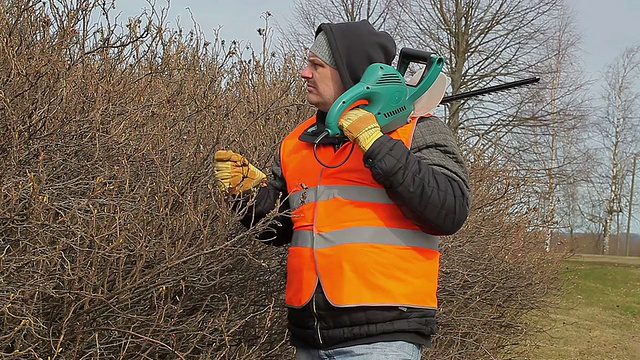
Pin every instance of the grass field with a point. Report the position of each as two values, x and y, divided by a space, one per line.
600 315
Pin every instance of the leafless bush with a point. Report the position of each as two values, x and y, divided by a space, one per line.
114 242
495 276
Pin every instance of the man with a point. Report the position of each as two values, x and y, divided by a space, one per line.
363 258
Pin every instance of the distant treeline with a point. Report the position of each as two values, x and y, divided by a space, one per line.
591 243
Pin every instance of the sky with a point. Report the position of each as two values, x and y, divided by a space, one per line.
239 19
607 27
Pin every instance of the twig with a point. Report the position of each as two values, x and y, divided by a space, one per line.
128 332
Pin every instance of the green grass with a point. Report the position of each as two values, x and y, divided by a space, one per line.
600 314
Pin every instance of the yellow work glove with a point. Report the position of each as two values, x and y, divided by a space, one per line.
361 127
234 173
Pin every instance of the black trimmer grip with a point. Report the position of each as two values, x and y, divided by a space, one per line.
409 55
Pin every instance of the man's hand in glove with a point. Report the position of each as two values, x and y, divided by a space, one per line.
361 127
234 173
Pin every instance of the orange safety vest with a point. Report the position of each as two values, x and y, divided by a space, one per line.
349 235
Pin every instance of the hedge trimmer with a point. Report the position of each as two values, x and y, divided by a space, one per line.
385 93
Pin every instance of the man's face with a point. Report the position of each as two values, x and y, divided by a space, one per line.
324 85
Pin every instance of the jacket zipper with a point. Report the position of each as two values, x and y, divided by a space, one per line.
316 322
314 309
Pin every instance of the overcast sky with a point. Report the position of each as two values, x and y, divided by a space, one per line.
607 26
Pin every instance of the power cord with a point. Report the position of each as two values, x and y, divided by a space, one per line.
315 152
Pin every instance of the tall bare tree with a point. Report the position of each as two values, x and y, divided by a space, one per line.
484 42
617 131
562 154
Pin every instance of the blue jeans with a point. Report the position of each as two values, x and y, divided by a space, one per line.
389 350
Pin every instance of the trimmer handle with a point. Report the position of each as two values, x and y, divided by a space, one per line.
409 55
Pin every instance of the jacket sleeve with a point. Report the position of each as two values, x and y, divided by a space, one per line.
280 230
429 182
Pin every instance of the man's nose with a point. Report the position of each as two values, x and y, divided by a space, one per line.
306 73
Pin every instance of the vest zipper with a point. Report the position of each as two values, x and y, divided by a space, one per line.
316 322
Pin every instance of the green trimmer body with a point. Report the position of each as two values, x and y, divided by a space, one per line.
390 99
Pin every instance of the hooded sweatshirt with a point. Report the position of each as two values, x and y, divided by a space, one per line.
355 46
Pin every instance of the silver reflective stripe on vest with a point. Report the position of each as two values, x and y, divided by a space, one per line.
365 235
302 239
347 192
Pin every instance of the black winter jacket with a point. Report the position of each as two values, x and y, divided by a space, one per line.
429 182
